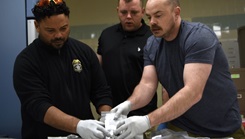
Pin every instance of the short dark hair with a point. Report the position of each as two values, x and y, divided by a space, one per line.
47 8
128 1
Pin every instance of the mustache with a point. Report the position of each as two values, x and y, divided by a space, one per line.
58 39
155 27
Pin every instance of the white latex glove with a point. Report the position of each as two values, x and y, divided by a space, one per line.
102 119
122 109
132 126
92 129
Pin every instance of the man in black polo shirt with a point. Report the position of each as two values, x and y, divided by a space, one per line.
120 53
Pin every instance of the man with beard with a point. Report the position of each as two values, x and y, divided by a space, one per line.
56 77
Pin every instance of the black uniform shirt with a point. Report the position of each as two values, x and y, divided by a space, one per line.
122 56
44 77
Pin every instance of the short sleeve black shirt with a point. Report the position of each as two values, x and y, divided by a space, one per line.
122 56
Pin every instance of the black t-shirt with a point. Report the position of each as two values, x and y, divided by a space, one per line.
122 56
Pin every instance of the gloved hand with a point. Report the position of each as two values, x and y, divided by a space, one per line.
102 119
122 109
132 126
92 129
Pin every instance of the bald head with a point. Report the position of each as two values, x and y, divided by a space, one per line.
164 18
172 3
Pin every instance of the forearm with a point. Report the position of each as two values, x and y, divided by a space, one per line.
104 108
141 96
174 107
58 119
